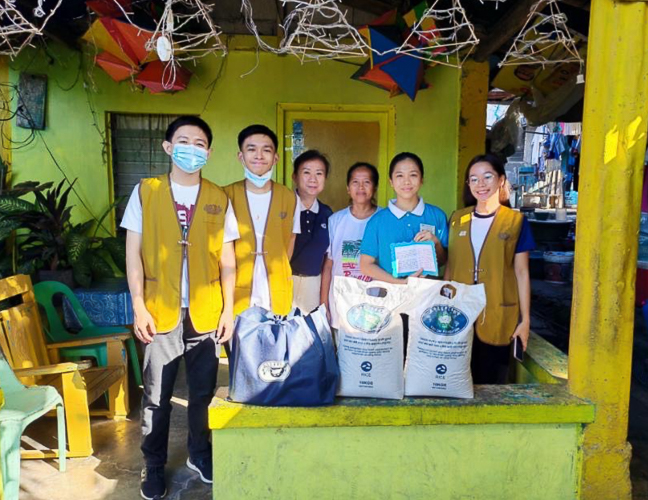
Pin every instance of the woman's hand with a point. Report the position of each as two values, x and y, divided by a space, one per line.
522 331
425 236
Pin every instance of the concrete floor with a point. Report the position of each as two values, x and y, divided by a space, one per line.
113 472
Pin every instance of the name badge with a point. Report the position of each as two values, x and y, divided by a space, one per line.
428 227
462 233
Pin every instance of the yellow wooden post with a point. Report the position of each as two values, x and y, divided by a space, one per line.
472 118
614 140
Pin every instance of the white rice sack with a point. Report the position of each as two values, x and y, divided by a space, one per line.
370 338
441 336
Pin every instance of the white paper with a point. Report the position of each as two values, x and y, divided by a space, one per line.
411 258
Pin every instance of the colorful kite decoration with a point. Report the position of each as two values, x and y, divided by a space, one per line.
128 52
160 77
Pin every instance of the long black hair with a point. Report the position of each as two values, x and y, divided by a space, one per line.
498 165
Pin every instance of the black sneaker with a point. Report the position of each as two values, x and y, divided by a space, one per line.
203 467
153 486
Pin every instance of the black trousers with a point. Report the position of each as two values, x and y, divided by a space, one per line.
490 363
161 362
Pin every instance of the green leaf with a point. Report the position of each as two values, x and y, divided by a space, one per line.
100 268
82 273
23 188
76 245
7 226
116 247
11 205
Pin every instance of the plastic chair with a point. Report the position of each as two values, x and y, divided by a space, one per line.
22 406
57 332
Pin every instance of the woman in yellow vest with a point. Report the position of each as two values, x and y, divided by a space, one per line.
267 221
490 244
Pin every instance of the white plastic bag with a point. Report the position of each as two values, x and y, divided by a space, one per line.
441 336
370 338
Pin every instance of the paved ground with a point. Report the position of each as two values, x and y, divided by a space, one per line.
113 472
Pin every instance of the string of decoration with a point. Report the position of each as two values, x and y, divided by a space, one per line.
441 36
16 32
544 39
185 32
316 30
497 2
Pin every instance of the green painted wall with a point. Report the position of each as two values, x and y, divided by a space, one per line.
427 127
497 461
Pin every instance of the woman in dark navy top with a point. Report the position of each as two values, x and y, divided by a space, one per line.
309 177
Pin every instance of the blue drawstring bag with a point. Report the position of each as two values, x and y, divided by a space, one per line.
283 360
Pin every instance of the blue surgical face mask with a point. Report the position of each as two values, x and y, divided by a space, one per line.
258 180
189 158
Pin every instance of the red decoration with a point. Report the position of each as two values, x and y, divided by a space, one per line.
158 75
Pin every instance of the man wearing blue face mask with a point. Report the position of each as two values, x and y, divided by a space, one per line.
268 220
181 271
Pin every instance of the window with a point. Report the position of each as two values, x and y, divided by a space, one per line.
137 152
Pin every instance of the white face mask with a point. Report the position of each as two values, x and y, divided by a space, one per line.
258 180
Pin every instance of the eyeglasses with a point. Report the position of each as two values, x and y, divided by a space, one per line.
473 180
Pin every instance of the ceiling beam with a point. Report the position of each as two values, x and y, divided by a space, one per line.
502 31
376 7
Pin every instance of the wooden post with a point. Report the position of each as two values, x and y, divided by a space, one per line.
472 118
602 323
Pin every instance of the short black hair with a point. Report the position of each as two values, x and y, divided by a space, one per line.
362 164
188 120
254 130
405 156
311 154
498 165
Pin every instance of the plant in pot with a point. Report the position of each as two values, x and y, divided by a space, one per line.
50 246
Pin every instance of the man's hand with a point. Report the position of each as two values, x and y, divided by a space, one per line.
225 327
144 326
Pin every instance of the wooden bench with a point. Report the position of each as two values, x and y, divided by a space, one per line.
36 362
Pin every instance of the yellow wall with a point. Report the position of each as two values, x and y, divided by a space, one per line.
427 126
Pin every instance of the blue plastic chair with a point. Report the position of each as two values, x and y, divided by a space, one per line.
22 406
57 332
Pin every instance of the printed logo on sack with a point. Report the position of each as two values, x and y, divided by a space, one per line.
441 369
444 320
273 371
366 366
368 318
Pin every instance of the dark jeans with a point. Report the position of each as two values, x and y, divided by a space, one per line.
161 362
490 363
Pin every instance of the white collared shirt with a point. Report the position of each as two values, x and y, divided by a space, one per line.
418 210
314 207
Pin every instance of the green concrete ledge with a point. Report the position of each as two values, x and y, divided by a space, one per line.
544 362
523 404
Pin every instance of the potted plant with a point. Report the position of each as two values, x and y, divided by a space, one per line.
49 245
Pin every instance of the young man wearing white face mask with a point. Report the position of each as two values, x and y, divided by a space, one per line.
181 272
268 220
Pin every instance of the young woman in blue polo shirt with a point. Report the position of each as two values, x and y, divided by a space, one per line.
407 218
310 170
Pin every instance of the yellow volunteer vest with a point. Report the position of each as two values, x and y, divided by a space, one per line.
164 249
278 232
495 270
